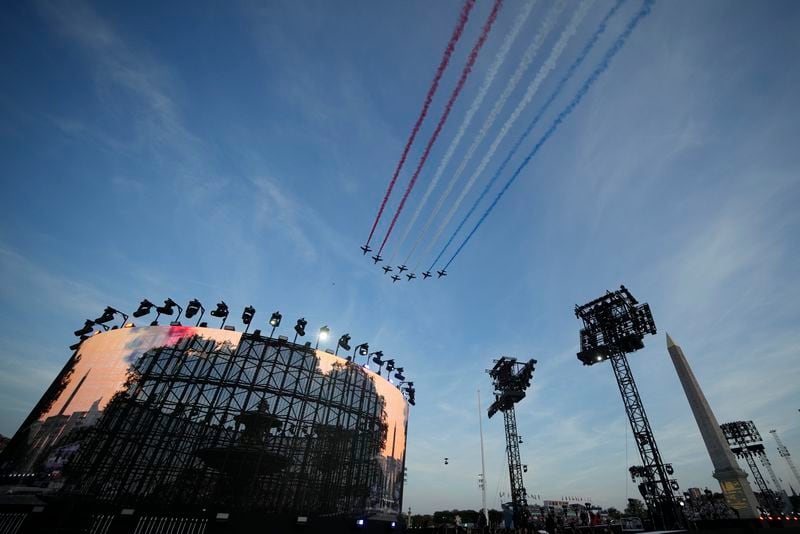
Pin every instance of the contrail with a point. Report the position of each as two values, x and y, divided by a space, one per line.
473 56
522 17
544 70
559 88
448 52
602 67
524 63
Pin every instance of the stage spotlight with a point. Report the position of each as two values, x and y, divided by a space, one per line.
399 374
324 332
389 365
168 308
87 328
144 308
221 312
247 315
108 314
78 344
363 349
300 327
344 342
275 320
193 307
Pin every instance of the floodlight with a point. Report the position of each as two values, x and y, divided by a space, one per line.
275 320
363 349
344 342
300 327
324 332
144 308
168 308
87 328
389 365
193 307
221 311
108 314
247 314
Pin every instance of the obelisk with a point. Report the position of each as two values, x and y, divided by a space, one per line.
732 479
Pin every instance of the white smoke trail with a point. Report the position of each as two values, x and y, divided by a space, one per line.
522 17
544 70
511 85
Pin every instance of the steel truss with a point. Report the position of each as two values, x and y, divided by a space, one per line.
745 442
784 453
613 326
510 380
656 487
519 496
322 452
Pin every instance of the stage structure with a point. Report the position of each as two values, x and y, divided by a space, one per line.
784 452
510 379
177 419
745 442
613 326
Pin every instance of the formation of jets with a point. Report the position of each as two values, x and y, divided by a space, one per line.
400 268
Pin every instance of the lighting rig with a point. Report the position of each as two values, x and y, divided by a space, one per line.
510 379
222 311
784 452
745 442
613 326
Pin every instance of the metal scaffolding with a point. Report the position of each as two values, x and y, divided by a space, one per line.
614 325
256 426
510 380
745 442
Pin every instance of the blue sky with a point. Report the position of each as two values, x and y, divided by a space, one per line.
240 152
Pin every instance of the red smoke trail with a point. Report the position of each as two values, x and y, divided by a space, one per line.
459 29
473 56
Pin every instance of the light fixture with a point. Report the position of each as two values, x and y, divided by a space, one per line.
221 312
192 308
144 308
324 332
275 320
344 342
108 314
247 316
363 349
300 328
389 366
87 328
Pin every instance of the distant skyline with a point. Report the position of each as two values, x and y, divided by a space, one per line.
239 152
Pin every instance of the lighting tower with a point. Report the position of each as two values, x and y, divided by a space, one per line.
613 326
784 452
745 442
510 380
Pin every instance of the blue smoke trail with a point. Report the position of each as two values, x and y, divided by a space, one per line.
602 67
570 72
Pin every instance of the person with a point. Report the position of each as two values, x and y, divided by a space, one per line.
550 524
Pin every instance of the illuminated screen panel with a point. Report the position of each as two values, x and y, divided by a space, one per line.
197 415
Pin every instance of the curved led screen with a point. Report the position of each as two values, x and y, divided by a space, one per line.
189 416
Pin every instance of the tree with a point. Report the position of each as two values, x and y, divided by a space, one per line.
613 513
635 508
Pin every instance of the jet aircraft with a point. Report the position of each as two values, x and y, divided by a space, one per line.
426 274
386 269
377 258
366 249
441 273
402 268
411 276
395 278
